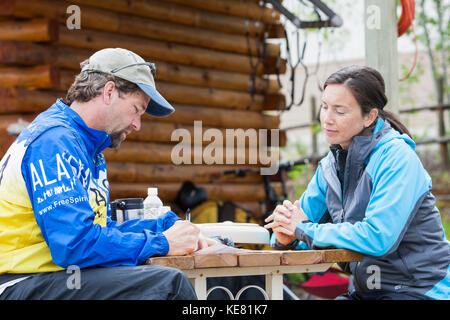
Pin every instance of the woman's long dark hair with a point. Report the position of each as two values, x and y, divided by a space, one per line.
367 86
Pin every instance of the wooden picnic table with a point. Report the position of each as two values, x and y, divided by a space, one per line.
237 262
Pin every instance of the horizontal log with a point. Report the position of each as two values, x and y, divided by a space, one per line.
119 23
152 173
240 8
144 8
40 30
168 191
169 52
17 99
5 143
28 53
182 14
197 134
211 78
140 146
175 93
142 152
6 122
48 77
145 152
42 77
198 77
163 132
185 94
217 117
23 100
151 152
221 98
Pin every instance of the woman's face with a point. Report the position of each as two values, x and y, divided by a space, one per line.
341 117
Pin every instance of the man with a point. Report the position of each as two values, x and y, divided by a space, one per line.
54 196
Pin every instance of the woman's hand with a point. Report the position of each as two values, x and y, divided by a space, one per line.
284 220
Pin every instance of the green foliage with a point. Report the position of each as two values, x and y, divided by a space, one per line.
296 278
443 207
315 128
446 225
433 32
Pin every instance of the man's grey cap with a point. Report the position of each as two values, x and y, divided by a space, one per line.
127 65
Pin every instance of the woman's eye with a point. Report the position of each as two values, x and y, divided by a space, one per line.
340 112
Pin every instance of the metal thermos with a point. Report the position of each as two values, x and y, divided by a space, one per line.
127 209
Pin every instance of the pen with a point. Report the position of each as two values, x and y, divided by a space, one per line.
188 215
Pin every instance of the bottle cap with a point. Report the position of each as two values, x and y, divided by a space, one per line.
152 191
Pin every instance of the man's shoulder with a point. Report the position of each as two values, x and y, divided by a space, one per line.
53 135
46 121
52 143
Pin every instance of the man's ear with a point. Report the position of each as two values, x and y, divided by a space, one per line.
107 92
370 117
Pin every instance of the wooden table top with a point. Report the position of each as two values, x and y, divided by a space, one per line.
233 257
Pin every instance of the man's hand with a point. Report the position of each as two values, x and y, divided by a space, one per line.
183 238
284 219
205 242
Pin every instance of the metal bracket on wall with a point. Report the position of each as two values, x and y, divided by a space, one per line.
334 20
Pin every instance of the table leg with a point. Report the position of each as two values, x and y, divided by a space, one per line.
274 286
273 274
199 284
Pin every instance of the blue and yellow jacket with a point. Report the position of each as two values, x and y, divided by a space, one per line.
54 202
384 209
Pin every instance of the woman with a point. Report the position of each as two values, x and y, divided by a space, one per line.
370 194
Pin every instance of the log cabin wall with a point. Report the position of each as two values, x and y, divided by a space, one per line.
213 65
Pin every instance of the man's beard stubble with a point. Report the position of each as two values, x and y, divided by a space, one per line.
116 139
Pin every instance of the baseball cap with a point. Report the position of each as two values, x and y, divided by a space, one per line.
127 65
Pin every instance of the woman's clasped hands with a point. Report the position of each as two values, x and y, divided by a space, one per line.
284 219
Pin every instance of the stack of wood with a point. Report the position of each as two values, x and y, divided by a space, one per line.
213 65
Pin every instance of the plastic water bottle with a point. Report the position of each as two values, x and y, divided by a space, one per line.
152 204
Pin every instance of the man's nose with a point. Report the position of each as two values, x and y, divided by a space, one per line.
136 124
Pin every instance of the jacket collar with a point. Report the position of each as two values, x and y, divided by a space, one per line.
94 140
363 144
